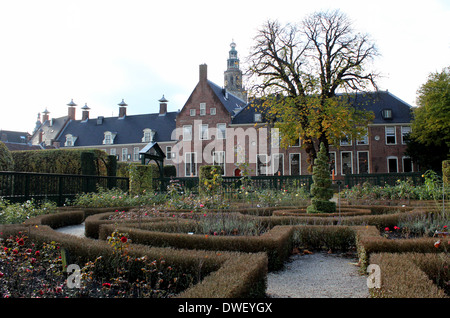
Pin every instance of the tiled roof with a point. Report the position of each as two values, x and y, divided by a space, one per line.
373 101
128 130
229 101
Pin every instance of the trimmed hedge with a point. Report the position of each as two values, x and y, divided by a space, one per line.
446 172
141 178
59 161
6 158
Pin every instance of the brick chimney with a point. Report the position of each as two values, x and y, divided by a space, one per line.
203 73
45 117
122 109
85 115
71 111
163 106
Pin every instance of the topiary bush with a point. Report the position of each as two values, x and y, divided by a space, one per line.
321 188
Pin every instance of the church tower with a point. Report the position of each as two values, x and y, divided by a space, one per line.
233 75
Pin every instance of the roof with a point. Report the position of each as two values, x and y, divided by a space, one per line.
18 137
128 130
229 101
371 101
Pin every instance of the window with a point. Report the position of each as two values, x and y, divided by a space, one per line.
333 165
187 133
346 163
124 154
112 151
212 111
169 153
148 135
363 162
136 154
390 135
275 137
190 164
204 132
294 164
364 140
346 141
109 138
192 112
392 164
261 165
405 131
219 160
70 140
202 109
221 131
258 118
386 113
278 164
407 164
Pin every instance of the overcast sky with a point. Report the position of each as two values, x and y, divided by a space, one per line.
100 52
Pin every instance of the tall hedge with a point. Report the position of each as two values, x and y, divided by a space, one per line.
6 159
60 161
141 178
446 171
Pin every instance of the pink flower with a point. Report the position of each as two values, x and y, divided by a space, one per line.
37 253
386 229
123 239
107 285
201 205
396 227
1 274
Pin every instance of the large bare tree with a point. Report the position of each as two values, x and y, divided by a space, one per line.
303 72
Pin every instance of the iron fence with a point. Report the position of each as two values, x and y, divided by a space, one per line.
382 179
23 186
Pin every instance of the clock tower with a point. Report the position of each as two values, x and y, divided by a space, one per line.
233 75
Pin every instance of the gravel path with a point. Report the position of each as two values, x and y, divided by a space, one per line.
317 275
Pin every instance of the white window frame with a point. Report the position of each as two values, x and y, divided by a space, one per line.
387 162
349 141
169 154
351 162
389 134
368 161
299 163
403 163
192 165
258 118
136 154
124 154
212 111
280 159
109 138
187 132
220 155
112 152
365 139
221 133
202 109
204 132
264 163
70 140
405 130
192 112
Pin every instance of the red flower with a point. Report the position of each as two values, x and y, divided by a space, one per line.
107 285
123 239
396 227
37 253
15 251
1 274
20 241
386 229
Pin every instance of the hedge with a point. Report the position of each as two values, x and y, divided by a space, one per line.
446 172
59 161
6 158
141 178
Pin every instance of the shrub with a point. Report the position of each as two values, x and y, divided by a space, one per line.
210 179
20 212
6 159
141 178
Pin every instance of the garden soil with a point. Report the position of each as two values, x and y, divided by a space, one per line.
315 275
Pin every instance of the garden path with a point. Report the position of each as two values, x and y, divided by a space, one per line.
316 275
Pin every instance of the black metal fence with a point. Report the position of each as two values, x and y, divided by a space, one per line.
382 179
23 186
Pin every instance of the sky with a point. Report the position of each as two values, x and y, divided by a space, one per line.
99 52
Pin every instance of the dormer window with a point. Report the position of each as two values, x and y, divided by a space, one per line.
258 118
109 138
149 135
70 140
386 113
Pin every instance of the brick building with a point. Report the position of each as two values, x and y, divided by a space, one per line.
218 126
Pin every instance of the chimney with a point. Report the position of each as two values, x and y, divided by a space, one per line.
71 113
45 117
163 106
203 73
122 109
85 115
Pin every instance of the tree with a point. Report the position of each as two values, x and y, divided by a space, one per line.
6 159
299 70
429 141
321 187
